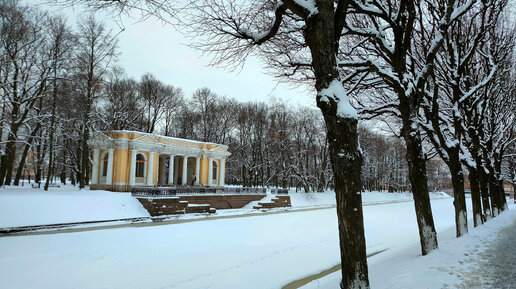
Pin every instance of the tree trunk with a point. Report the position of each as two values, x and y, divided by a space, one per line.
21 165
19 172
37 176
503 200
345 155
459 198
51 135
484 191
493 195
418 181
6 173
475 197
85 158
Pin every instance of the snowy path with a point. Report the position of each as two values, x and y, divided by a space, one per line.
496 267
483 258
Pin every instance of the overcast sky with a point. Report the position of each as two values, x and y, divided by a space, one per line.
151 46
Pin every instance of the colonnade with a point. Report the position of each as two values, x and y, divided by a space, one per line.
173 169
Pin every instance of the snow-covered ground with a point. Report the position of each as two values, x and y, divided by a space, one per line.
258 251
327 198
25 206
484 258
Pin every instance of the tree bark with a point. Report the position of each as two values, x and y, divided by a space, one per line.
51 134
6 171
493 195
459 198
484 191
345 155
418 179
475 197
502 202
21 165
85 160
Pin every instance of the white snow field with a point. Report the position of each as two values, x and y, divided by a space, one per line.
25 206
253 251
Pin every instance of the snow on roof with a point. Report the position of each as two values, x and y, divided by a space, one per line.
160 136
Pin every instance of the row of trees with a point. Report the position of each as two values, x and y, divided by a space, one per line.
271 144
441 72
59 85
51 79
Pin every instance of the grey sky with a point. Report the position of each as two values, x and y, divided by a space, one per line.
153 47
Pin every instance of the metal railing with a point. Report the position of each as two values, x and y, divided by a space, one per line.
155 191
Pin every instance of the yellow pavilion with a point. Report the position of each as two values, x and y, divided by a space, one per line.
124 159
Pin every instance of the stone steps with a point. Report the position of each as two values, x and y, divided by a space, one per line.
198 209
277 202
173 206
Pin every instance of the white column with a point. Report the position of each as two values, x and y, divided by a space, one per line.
132 168
176 172
95 167
222 173
171 170
109 175
197 170
150 171
210 170
161 171
185 170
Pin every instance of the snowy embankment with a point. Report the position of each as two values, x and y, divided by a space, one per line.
458 263
25 206
300 200
263 251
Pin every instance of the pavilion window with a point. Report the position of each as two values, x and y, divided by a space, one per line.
105 165
214 171
140 166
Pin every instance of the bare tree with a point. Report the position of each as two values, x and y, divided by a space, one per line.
204 102
154 96
96 50
123 108
236 29
24 73
450 87
392 62
61 46
173 103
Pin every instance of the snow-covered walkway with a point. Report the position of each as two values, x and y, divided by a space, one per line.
496 267
483 258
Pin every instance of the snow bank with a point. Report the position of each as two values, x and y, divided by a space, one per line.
327 198
25 206
454 265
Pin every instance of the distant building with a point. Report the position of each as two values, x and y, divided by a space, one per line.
123 159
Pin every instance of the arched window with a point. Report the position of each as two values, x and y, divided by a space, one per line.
140 166
214 171
105 164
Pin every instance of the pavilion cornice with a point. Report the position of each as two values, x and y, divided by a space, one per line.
160 148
